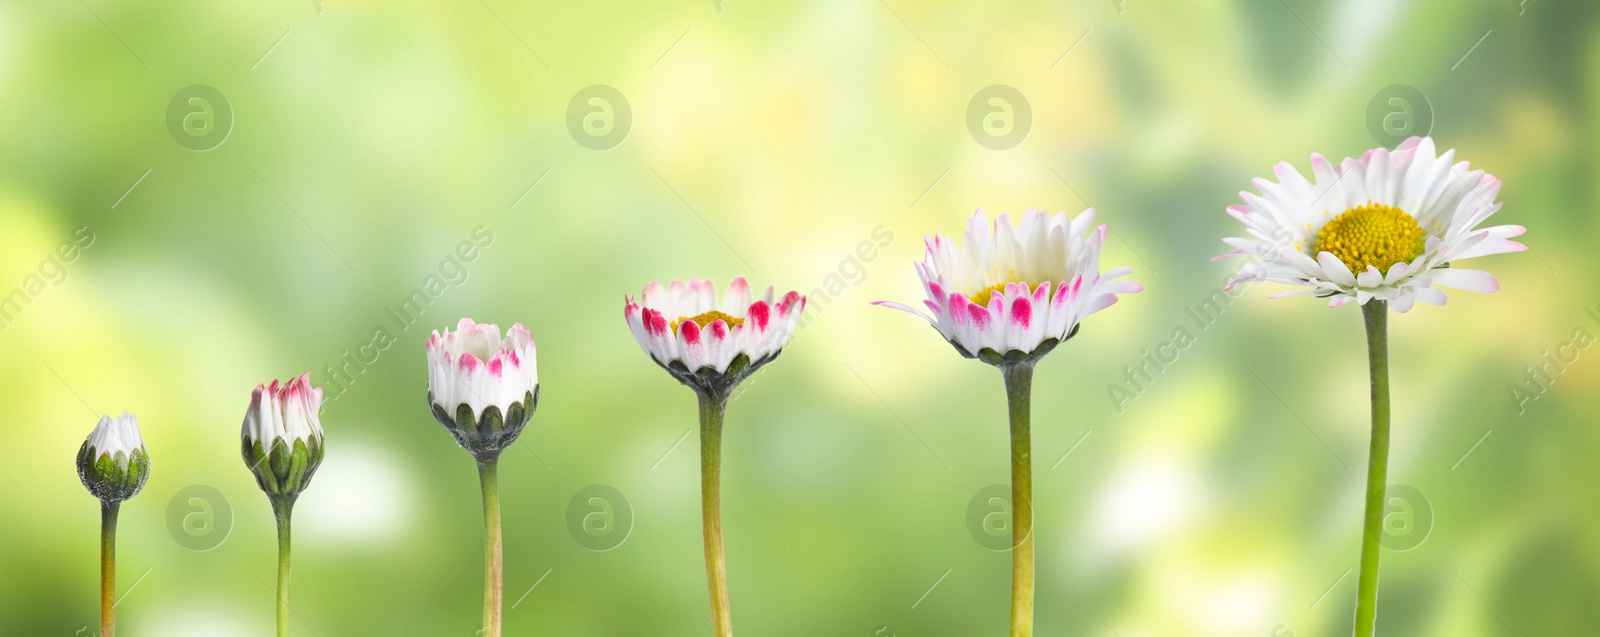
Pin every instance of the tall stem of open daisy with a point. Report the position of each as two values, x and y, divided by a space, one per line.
489 474
1376 313
282 508
1019 392
712 409
108 567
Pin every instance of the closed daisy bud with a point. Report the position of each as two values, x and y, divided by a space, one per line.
112 463
282 436
481 387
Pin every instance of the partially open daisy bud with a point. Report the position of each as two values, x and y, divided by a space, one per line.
112 463
1009 294
708 346
481 387
282 437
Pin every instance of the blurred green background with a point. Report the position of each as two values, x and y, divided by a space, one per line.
341 153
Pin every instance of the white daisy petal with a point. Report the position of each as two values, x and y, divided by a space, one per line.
1470 280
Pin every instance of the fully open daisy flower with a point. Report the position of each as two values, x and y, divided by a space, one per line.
1011 289
1387 226
685 329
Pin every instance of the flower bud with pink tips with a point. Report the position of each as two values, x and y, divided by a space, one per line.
484 388
282 438
481 387
282 445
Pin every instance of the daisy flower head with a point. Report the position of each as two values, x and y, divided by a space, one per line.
1007 294
483 388
711 345
112 461
1387 226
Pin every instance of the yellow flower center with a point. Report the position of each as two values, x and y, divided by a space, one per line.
1373 234
707 319
981 297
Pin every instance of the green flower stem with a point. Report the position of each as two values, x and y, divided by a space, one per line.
108 567
712 410
488 472
1019 391
281 510
1377 315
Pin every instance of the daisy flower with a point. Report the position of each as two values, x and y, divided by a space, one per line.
1007 296
1386 230
1006 292
685 330
1388 226
711 347
484 388
282 444
113 465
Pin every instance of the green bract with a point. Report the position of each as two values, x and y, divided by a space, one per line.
113 477
486 435
283 471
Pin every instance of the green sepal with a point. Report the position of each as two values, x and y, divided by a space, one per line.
486 435
1016 356
113 477
286 469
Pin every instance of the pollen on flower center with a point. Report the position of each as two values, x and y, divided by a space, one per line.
1373 234
981 297
708 318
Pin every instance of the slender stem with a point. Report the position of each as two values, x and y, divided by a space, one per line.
488 472
1377 315
282 508
108 568
711 411
1019 391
